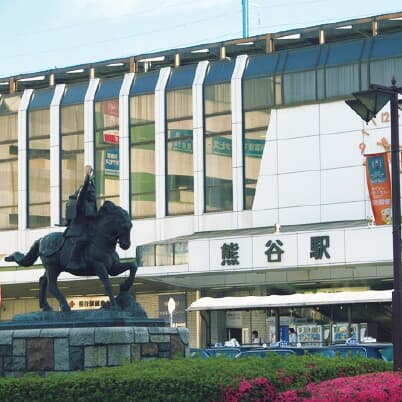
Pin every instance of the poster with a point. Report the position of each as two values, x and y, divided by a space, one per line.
379 187
112 163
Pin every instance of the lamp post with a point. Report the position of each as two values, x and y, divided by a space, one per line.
367 104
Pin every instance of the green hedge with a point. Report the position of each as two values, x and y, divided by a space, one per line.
180 379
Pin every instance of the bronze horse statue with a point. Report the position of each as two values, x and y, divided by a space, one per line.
112 225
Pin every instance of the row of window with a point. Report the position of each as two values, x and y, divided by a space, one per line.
162 254
260 92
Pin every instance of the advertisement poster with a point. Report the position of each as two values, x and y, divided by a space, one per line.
112 163
379 187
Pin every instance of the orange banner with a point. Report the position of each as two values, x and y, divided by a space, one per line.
379 187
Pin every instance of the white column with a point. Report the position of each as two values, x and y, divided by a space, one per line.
237 133
89 135
23 166
160 135
55 173
198 142
124 140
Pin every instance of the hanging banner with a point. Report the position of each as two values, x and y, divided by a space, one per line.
379 187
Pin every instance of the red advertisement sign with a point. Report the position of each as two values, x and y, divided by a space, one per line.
111 138
379 187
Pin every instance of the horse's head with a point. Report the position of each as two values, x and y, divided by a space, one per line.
116 224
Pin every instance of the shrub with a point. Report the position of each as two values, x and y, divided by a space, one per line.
180 379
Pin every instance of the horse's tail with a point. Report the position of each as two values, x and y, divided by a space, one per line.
25 260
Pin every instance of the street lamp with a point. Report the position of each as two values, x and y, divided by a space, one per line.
367 104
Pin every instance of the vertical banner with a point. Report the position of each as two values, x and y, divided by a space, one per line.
379 187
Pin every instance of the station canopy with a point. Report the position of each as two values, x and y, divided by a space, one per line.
294 300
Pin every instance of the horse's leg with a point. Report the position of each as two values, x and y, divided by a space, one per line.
104 277
118 268
54 289
126 285
43 304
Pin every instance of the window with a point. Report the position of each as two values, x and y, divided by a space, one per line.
142 145
299 87
9 162
218 147
382 71
258 97
71 141
164 254
39 159
179 145
342 80
150 255
142 137
107 160
180 180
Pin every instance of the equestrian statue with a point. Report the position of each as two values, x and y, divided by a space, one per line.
86 248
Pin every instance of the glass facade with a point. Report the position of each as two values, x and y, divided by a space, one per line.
142 146
107 166
9 162
284 78
71 142
39 159
218 138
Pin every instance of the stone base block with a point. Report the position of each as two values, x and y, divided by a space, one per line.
69 349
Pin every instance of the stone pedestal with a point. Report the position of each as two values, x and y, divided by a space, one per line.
68 349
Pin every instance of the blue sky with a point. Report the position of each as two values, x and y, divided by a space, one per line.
44 34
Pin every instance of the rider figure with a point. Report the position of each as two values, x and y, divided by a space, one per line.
81 211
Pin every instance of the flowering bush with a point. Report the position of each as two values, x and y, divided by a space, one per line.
377 387
255 390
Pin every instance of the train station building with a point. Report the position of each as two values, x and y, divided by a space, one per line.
243 169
